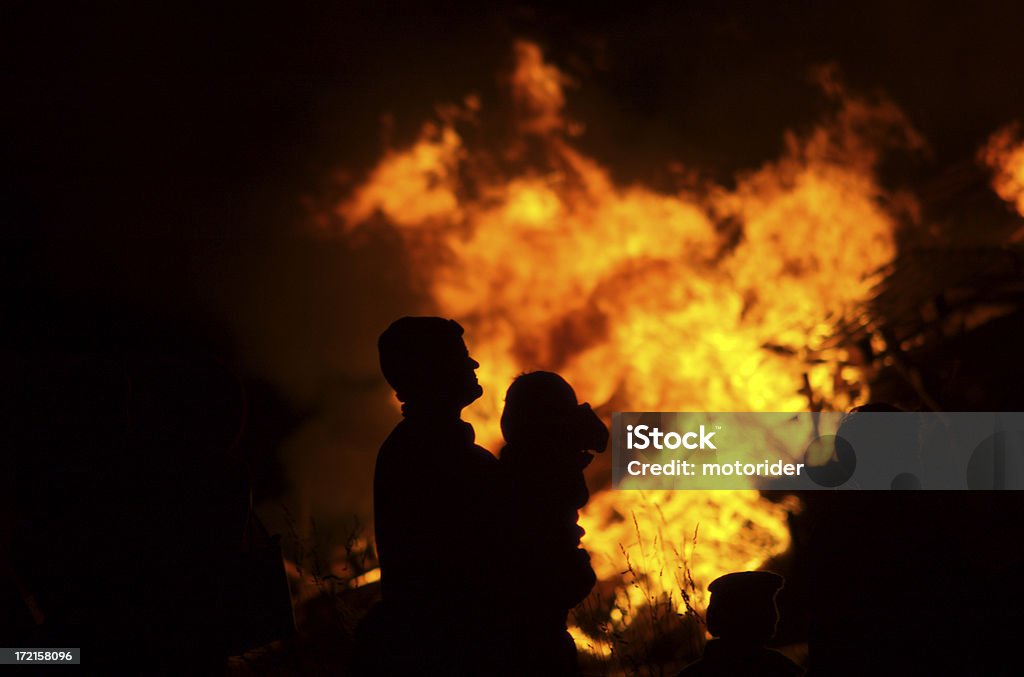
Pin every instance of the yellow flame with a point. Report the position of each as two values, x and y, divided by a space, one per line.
371 576
707 299
591 645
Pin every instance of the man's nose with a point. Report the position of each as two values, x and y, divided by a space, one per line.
474 364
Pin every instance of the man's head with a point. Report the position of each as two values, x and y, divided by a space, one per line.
426 361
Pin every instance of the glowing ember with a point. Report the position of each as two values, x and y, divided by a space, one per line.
709 299
1004 153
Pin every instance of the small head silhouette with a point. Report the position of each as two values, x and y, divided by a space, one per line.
742 606
426 362
542 403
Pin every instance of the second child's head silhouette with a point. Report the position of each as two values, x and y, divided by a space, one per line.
742 606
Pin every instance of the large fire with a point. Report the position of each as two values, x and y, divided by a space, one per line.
704 299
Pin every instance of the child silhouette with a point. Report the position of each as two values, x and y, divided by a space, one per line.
742 615
549 437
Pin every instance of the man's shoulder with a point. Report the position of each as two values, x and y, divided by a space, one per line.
399 453
412 445
762 663
780 664
484 457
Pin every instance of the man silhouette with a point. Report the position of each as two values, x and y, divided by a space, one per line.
437 502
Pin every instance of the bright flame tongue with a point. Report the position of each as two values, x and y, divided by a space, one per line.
1004 154
706 300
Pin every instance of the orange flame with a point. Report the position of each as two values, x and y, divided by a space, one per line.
1004 154
707 299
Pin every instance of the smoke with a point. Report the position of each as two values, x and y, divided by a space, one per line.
305 314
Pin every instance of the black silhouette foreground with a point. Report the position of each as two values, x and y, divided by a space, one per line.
438 524
742 616
135 539
549 436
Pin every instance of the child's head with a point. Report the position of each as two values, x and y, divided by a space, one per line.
742 606
543 404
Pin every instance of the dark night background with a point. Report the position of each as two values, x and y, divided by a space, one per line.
160 160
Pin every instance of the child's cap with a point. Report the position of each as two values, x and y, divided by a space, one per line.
747 584
742 605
